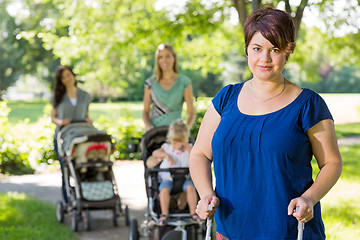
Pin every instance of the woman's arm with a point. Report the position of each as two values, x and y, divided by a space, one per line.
88 119
189 99
200 162
146 110
326 151
58 121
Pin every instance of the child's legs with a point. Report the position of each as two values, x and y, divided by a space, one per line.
164 196
191 195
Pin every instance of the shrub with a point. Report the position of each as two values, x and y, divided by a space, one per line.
13 160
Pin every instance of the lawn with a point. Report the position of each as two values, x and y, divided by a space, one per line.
33 110
341 215
24 217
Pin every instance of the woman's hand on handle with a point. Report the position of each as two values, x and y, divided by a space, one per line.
203 206
305 208
65 121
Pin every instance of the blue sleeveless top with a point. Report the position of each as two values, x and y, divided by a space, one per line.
261 162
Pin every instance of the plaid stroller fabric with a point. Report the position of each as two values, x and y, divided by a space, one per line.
97 191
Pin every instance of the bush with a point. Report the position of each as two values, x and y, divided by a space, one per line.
12 159
124 130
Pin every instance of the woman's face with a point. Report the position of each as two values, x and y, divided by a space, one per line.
67 78
265 61
166 60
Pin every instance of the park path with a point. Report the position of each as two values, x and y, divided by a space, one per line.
129 176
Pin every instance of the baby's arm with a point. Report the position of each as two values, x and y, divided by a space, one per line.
152 161
160 153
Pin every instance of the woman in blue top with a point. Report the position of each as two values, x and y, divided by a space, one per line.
70 103
166 91
261 136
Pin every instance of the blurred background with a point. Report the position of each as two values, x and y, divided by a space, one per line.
111 44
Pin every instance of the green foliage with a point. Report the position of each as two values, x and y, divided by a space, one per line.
201 107
12 49
11 159
21 50
124 130
24 217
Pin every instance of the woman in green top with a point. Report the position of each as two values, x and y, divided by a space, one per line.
166 91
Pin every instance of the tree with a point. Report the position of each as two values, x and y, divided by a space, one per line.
116 52
12 49
243 8
22 51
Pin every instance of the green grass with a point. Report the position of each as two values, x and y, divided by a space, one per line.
26 218
340 210
20 110
347 130
116 110
33 110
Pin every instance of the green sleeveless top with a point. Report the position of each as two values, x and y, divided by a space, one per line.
166 104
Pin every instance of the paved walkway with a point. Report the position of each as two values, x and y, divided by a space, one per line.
129 176
130 180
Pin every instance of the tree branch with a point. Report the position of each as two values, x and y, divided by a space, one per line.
288 7
299 15
240 7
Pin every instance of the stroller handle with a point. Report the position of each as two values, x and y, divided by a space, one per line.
300 227
208 225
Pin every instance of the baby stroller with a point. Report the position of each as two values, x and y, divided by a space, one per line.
180 224
89 179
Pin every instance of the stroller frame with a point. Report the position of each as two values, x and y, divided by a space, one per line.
78 206
179 225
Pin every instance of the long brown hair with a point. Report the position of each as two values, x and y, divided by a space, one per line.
157 71
59 87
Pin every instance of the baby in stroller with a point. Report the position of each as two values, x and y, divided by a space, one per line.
172 197
174 153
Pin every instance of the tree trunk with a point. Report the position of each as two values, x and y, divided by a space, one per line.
240 6
299 15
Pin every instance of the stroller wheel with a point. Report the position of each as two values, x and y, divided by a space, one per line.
127 216
134 232
172 235
114 217
74 221
87 220
60 211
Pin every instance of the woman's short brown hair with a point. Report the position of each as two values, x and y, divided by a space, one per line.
275 25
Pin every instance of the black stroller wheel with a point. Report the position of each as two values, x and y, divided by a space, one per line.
134 232
87 220
114 217
60 211
127 216
173 235
74 221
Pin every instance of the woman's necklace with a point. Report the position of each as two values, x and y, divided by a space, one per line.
265 100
